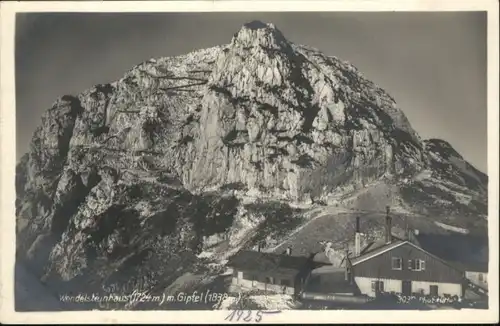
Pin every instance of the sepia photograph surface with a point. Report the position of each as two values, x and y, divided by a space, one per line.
252 164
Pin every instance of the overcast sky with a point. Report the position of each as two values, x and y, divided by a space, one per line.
433 64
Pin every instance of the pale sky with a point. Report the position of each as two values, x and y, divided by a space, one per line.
433 64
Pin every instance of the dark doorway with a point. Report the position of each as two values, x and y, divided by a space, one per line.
434 290
406 287
378 287
298 284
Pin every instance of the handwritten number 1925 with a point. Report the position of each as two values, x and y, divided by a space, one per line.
247 315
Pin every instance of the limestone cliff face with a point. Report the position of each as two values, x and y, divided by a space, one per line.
287 119
258 114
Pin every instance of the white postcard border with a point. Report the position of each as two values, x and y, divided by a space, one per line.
8 157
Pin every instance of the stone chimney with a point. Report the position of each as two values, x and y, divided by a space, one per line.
388 227
357 239
346 263
406 231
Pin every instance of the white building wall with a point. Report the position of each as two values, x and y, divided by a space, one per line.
365 285
238 283
474 278
443 288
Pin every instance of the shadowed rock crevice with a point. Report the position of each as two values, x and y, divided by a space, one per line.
68 205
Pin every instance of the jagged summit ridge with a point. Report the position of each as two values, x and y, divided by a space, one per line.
259 25
257 33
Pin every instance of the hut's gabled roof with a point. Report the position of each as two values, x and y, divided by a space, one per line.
263 261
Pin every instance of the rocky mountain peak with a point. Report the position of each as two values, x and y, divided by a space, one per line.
257 33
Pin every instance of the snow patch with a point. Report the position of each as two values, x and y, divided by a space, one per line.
274 302
227 303
452 228
425 174
205 254
435 157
